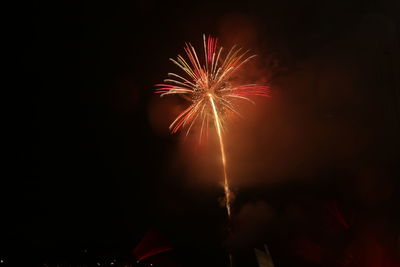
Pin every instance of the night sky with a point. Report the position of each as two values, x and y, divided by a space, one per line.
316 170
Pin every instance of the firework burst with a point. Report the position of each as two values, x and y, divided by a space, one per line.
207 85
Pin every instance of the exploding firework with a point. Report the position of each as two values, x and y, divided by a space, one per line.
208 85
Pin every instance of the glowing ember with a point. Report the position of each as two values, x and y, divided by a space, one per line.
208 87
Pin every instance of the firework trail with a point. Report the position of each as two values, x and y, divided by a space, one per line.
207 85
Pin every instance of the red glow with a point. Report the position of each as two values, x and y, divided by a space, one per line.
152 244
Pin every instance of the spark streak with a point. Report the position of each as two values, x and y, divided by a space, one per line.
223 157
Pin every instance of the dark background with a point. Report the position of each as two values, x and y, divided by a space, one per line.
86 167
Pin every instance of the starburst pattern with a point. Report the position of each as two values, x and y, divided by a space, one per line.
207 85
